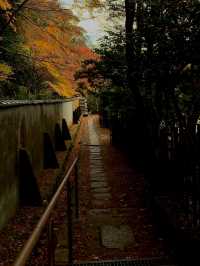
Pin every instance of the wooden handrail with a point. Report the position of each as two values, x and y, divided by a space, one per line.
33 239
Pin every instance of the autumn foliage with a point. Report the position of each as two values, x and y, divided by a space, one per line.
53 40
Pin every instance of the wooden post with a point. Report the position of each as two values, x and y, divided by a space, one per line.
76 191
69 217
51 244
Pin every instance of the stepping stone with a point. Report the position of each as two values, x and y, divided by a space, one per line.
116 236
97 170
100 203
98 179
104 196
95 162
99 211
61 255
99 173
98 176
96 167
95 148
99 184
101 190
95 173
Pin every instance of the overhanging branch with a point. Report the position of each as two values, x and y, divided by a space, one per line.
13 15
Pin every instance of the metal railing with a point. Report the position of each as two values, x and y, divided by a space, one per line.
46 220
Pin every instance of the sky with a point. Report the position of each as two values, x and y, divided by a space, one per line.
94 27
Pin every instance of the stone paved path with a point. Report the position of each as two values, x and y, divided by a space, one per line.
114 222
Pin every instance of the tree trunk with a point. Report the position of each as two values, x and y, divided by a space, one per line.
138 133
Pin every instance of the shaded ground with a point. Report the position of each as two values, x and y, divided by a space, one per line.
114 221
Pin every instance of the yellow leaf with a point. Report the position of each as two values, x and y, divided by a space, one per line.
5 71
4 5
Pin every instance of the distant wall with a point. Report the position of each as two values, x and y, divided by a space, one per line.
23 126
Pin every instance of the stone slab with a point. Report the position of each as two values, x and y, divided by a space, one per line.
116 236
61 255
99 211
97 169
99 184
97 175
101 190
100 203
97 179
103 196
95 149
96 164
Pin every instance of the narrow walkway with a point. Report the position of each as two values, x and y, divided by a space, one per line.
114 223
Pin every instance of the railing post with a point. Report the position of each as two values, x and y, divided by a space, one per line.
76 191
69 217
51 243
34 237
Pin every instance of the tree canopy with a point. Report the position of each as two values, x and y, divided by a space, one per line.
41 46
151 65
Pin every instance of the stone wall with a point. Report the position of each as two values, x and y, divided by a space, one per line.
23 126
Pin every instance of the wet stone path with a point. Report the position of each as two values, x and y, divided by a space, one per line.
99 185
114 222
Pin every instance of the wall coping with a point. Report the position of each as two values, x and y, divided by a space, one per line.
18 103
